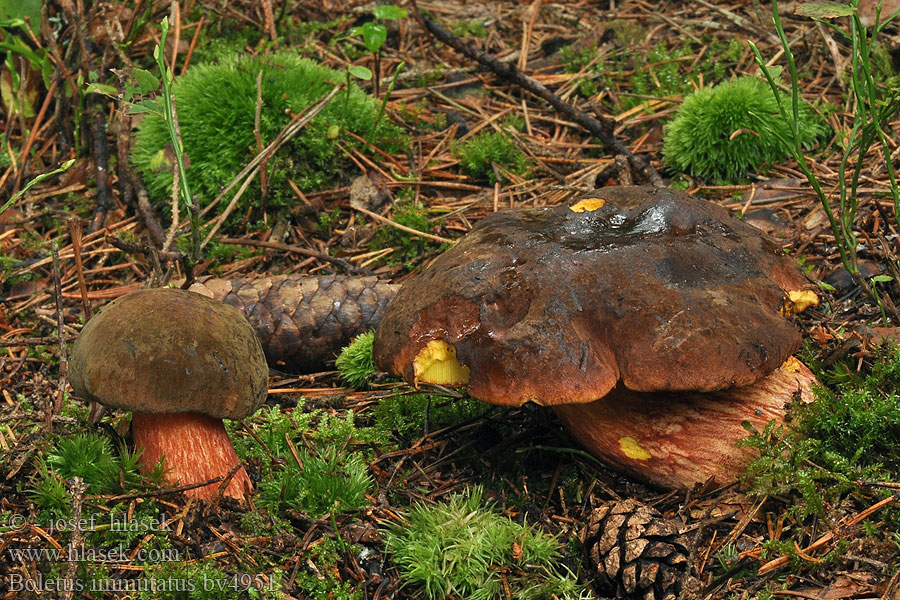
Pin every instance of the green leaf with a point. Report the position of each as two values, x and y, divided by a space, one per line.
146 81
18 46
137 82
144 106
14 12
389 12
102 88
824 10
374 36
360 72
882 278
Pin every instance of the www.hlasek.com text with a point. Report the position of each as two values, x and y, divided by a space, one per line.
82 553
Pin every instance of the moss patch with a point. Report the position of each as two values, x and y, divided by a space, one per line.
478 155
723 133
216 105
851 433
465 549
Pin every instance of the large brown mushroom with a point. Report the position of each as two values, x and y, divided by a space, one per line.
647 289
181 362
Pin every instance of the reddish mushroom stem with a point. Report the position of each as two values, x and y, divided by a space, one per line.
680 439
194 447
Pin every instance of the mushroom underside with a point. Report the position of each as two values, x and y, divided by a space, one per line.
677 440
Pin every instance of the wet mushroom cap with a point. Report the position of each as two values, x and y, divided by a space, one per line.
651 287
170 351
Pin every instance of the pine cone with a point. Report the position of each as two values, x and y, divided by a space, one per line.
634 552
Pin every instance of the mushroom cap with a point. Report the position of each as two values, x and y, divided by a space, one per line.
170 351
648 286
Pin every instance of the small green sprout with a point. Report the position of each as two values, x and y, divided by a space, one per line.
375 34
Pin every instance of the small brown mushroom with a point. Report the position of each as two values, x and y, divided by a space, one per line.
182 363
647 289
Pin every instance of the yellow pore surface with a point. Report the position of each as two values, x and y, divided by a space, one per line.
436 363
798 301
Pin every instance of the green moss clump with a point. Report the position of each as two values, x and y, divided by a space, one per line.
216 105
465 549
723 133
330 476
860 420
356 362
330 480
476 155
404 415
86 455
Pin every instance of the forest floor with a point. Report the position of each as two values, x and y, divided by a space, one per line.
816 518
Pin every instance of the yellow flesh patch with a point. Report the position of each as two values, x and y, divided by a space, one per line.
791 365
436 363
632 449
798 301
587 205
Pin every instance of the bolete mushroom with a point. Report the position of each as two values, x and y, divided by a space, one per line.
660 296
181 362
